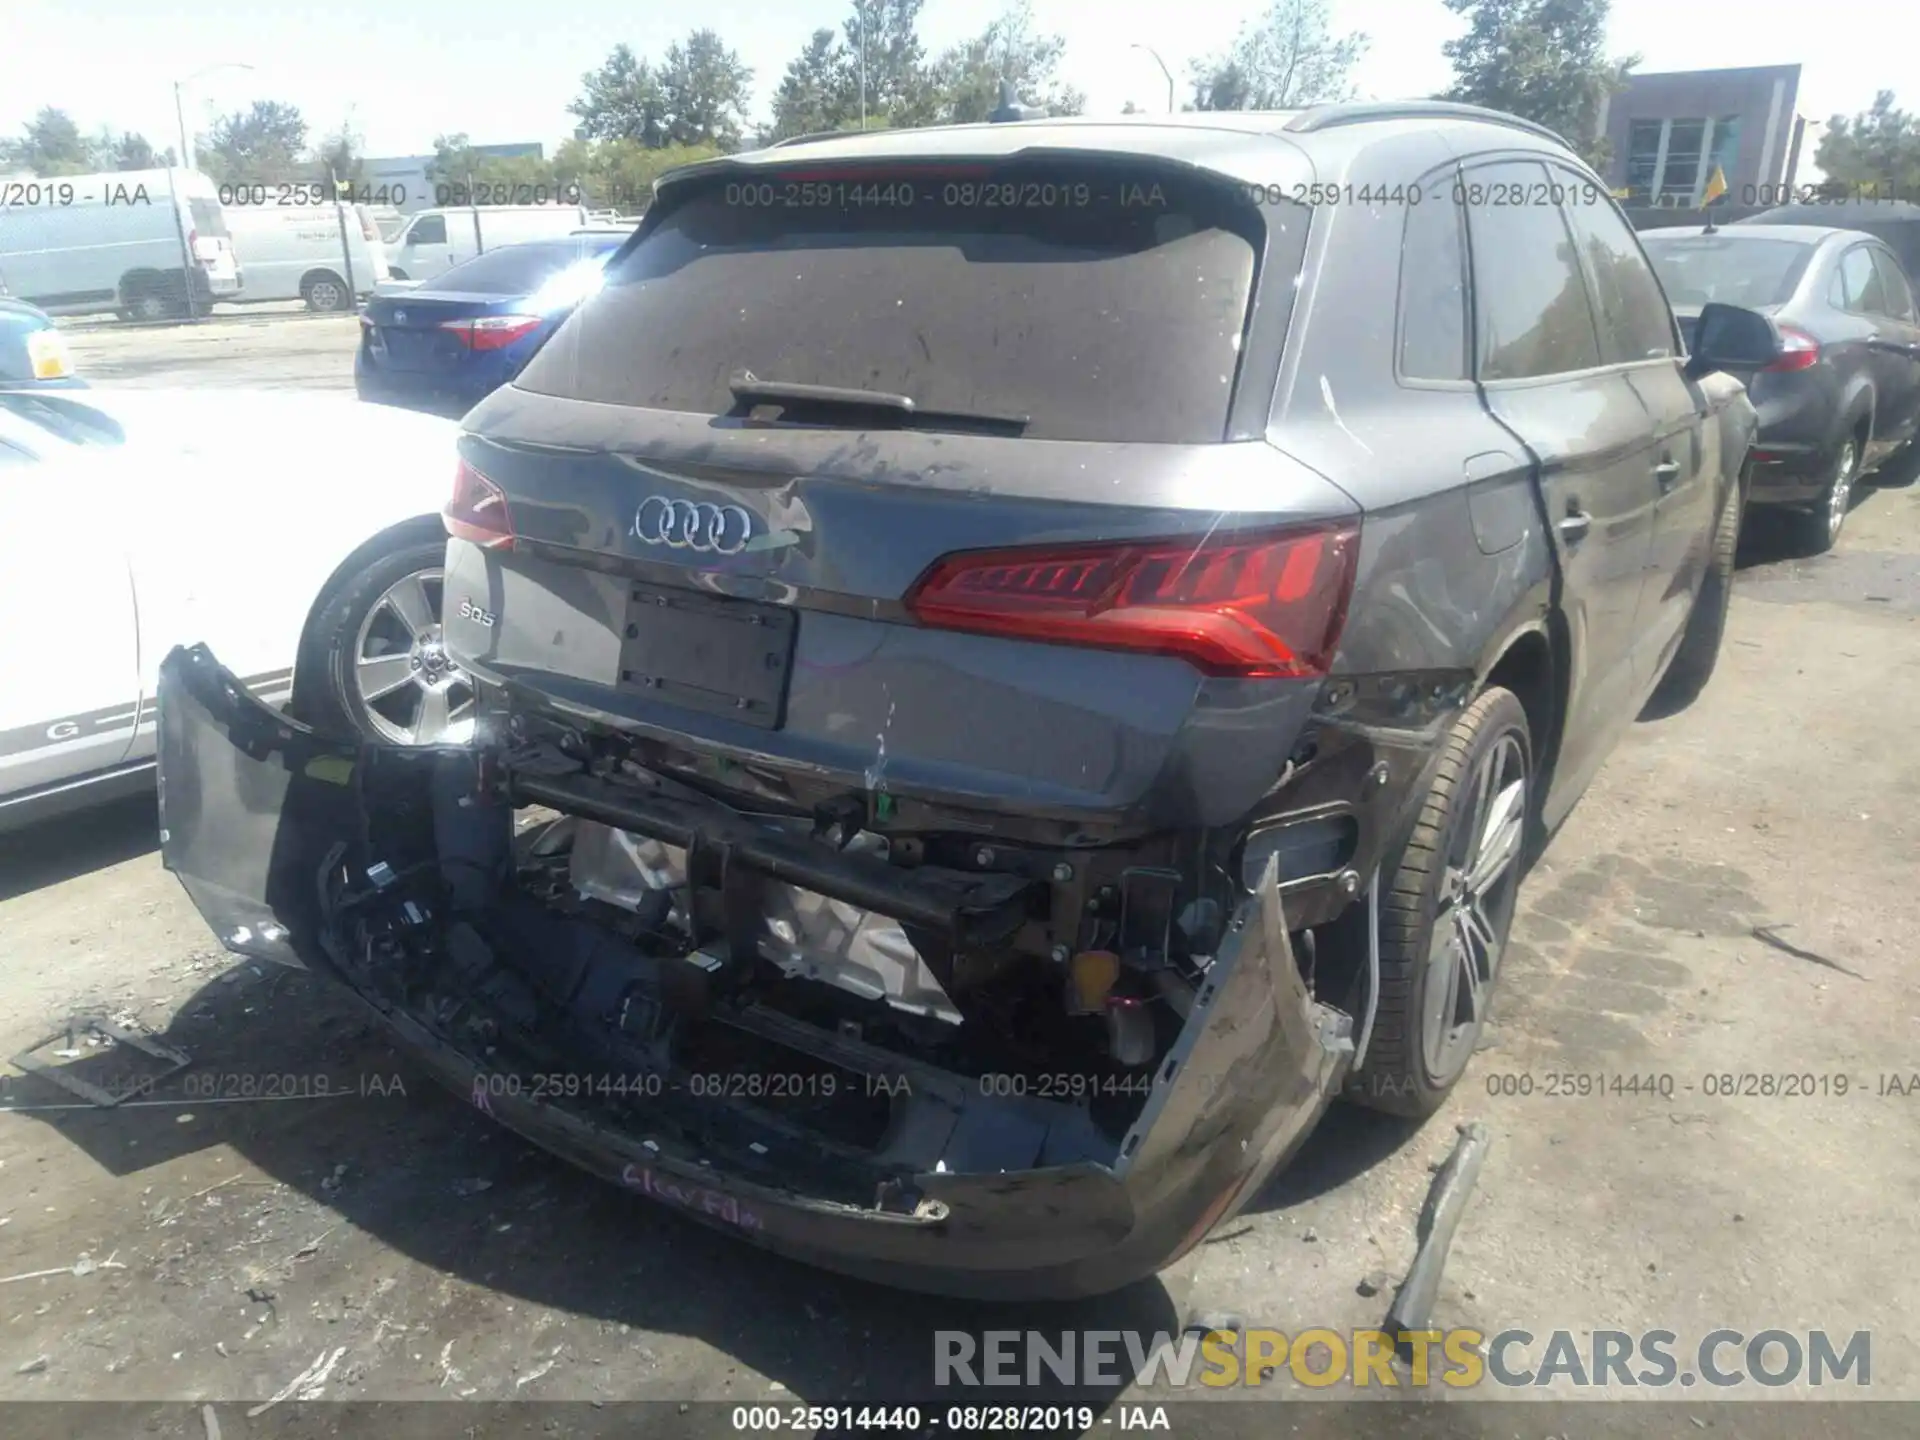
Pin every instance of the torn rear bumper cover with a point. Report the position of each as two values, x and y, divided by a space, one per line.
376 866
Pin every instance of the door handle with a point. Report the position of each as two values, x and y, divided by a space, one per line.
1667 472
1573 529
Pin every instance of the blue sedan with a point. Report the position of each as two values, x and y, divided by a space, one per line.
445 345
33 352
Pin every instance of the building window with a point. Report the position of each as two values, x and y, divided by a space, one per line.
1644 138
1670 161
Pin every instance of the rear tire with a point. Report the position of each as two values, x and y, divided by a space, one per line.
326 293
375 652
149 298
1446 907
1815 531
1693 663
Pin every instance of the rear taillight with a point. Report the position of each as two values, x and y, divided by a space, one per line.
1265 605
1798 350
478 511
491 332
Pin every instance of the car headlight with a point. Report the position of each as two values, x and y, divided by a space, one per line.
47 349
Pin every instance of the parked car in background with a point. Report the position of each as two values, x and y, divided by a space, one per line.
33 352
133 520
1845 394
444 344
80 244
1071 687
307 252
436 240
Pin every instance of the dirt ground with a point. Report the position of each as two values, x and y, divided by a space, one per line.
211 1244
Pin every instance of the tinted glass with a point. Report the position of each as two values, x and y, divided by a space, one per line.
1433 291
1700 269
1857 284
518 269
1103 303
1893 285
1531 301
1635 323
428 230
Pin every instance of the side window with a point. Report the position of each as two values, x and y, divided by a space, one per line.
1530 300
1635 323
1433 286
1893 286
428 230
1856 286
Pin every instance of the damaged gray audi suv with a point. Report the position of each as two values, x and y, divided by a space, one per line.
1015 663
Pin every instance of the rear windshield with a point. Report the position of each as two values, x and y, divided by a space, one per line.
1099 302
208 217
520 269
1699 269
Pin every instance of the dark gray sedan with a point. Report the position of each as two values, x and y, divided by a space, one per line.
1845 394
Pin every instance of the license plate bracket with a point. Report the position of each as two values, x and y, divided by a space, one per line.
709 653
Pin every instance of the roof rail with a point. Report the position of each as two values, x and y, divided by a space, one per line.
1326 117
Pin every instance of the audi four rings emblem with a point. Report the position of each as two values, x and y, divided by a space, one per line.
692 525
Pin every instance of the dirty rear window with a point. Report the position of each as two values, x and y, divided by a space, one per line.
1101 302
1701 269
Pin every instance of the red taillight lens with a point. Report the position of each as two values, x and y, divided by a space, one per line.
478 511
1798 350
1267 605
491 332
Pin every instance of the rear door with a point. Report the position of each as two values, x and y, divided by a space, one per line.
1866 340
1899 341
1540 367
1637 336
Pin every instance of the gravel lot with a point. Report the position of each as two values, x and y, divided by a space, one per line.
231 1240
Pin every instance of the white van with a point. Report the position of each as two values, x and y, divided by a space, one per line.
436 240
298 252
75 244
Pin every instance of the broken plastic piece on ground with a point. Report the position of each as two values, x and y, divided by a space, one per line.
172 1058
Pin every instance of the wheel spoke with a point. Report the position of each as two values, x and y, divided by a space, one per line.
1499 842
380 675
409 600
1477 940
430 725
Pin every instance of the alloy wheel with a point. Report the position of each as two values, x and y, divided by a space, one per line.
326 295
1477 893
1840 492
411 693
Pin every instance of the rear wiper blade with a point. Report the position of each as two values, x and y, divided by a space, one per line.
750 388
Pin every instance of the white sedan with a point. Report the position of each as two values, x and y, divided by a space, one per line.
298 534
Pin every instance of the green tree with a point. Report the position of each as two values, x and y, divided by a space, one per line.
265 143
49 144
883 37
1878 147
1543 60
705 88
337 156
128 151
1288 58
622 100
966 78
813 95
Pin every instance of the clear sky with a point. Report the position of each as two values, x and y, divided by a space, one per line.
403 72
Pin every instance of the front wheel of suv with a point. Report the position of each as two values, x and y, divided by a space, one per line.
1445 910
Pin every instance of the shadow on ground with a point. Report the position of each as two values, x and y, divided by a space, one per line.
55 851
574 1243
